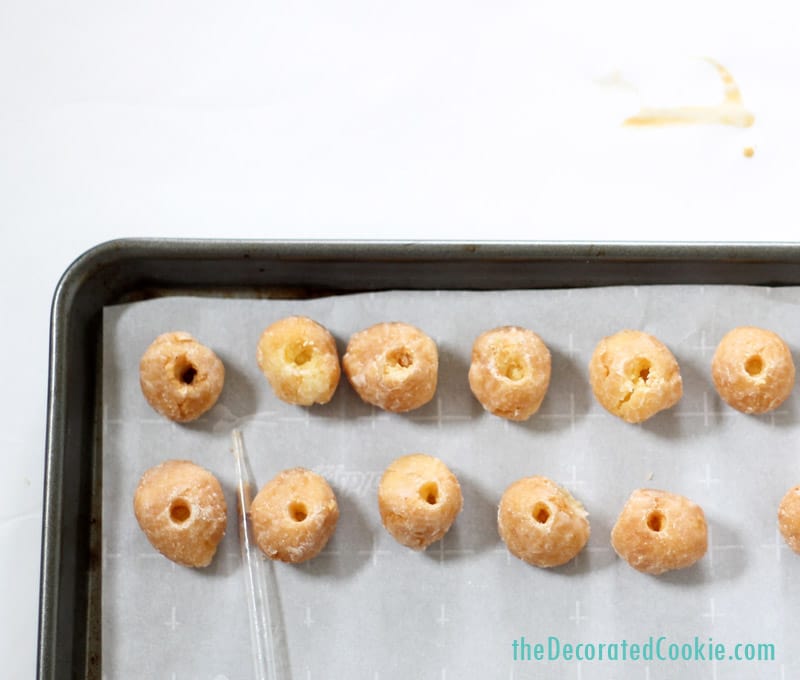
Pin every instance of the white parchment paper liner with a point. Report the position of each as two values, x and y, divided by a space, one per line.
370 609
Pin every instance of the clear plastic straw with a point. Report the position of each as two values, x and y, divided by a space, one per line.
258 603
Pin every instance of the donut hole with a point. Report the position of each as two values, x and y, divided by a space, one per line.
541 513
399 358
429 492
754 365
510 365
641 370
656 521
298 353
298 511
179 511
185 370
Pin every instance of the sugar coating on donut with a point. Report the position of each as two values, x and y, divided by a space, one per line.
541 522
419 498
789 518
393 366
753 369
179 377
634 375
299 359
510 372
658 531
294 515
181 509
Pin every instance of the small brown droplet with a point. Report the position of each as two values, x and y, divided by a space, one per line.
748 151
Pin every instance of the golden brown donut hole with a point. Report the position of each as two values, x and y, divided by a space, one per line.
541 522
789 518
294 515
419 498
181 509
180 378
752 369
298 357
393 366
510 372
634 375
658 531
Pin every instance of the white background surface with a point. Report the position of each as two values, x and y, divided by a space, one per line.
467 120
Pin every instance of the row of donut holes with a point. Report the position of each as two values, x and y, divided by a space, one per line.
181 507
394 366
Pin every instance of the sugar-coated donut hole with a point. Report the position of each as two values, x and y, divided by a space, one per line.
656 521
789 518
634 376
418 500
393 366
510 365
754 365
659 531
294 515
298 357
429 492
179 511
753 370
509 372
180 378
541 522
541 512
298 511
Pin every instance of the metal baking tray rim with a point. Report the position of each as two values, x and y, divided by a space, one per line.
113 271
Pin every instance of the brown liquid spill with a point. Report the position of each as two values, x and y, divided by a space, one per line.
730 111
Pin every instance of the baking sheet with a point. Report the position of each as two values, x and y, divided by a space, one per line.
369 608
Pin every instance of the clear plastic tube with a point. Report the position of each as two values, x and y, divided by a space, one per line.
258 600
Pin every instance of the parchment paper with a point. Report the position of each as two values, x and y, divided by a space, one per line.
370 609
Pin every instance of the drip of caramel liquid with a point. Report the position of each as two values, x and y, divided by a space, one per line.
730 111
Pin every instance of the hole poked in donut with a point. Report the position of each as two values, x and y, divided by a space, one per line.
400 357
754 365
298 353
179 511
656 521
298 511
541 512
641 370
185 370
429 492
510 365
